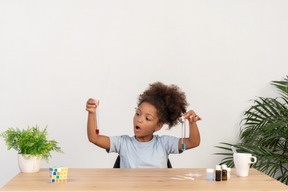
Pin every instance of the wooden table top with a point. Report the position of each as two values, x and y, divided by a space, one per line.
132 180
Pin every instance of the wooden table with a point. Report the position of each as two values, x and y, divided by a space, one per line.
141 180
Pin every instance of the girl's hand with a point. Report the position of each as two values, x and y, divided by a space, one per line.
191 116
91 105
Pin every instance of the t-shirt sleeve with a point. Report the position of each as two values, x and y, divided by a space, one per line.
115 144
171 144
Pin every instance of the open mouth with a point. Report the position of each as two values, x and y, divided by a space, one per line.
137 128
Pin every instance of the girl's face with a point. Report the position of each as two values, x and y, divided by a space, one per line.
146 122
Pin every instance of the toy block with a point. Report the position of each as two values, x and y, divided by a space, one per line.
58 174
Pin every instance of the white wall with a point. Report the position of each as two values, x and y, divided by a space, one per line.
56 54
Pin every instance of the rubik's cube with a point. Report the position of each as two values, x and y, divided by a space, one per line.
58 174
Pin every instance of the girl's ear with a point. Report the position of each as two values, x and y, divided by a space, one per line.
159 126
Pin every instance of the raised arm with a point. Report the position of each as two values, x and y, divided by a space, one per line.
194 136
97 139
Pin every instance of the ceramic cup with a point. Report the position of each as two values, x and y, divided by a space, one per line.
242 162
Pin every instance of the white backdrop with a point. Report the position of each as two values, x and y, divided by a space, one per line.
56 54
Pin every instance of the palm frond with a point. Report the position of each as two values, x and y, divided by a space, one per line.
282 86
264 133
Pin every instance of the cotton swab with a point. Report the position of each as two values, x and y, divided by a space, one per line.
185 177
175 178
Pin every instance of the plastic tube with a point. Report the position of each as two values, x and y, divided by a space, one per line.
183 133
97 118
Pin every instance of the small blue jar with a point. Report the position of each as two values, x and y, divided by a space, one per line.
210 174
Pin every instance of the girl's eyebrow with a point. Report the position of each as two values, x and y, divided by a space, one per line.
150 115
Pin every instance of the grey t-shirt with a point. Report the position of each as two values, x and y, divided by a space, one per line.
151 154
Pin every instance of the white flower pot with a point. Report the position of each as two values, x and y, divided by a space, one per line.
29 164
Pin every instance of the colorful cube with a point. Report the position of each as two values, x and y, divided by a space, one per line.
58 174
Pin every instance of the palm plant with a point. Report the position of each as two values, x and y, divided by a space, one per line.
264 133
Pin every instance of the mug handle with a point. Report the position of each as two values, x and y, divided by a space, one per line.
254 160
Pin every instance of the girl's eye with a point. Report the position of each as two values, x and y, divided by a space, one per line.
138 114
148 119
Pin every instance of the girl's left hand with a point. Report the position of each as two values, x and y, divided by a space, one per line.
191 116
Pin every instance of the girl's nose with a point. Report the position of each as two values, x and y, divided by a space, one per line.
139 119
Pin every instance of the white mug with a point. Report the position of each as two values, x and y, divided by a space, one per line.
242 163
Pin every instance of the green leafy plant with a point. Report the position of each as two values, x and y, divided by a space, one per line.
31 141
264 133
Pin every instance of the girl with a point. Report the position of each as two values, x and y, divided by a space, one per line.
158 105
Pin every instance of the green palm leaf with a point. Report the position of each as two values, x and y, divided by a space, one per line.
282 86
264 133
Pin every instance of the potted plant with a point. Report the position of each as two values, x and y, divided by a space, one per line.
265 134
32 146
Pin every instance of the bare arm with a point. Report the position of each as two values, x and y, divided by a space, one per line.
97 139
194 136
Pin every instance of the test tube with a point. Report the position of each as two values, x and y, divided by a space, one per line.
97 118
184 128
183 133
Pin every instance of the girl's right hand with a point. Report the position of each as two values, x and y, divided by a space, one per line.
91 105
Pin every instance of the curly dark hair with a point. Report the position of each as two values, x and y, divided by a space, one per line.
169 101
